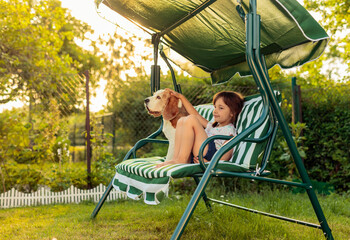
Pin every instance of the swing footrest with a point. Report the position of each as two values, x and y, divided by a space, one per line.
267 214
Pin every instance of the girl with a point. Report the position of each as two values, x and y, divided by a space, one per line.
193 130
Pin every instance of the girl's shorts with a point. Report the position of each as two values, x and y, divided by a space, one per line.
210 153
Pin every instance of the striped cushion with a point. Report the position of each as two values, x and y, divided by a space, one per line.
247 153
206 110
139 178
145 167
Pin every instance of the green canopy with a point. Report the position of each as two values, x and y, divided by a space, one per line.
213 36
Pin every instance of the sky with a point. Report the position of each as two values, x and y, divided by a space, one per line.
85 10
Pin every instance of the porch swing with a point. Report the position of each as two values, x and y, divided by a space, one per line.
223 38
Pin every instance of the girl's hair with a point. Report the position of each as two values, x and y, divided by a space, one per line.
233 100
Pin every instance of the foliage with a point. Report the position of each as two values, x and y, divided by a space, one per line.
334 63
38 52
132 119
48 160
123 66
327 115
57 176
21 143
100 141
78 153
324 141
47 137
296 129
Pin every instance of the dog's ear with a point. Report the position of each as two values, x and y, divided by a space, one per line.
166 94
172 108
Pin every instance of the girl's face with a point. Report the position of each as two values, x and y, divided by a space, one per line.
222 113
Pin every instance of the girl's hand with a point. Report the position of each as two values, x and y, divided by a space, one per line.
196 159
174 93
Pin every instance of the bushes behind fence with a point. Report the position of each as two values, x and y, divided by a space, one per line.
326 113
324 139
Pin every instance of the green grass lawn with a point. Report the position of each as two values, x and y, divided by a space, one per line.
128 219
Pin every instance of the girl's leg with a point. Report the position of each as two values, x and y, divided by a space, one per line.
180 130
188 138
185 139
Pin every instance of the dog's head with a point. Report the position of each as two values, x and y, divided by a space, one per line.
163 103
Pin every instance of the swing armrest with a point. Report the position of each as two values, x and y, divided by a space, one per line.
205 143
225 137
151 138
144 141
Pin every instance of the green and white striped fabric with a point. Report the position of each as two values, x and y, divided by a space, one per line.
206 110
139 177
247 153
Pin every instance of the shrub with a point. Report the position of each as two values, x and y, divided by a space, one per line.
327 115
78 153
325 140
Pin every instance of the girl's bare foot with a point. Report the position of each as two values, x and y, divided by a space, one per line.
168 163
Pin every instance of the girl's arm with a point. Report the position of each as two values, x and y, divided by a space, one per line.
227 156
189 108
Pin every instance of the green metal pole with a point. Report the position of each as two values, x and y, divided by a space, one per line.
194 201
204 195
296 114
155 69
298 161
260 70
102 200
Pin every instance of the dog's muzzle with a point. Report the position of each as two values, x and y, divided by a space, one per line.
153 113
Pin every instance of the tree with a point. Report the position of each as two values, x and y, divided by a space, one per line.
123 64
335 18
38 52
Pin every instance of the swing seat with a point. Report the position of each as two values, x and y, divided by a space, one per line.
138 177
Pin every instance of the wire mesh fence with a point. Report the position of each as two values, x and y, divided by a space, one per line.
126 127
120 129
58 134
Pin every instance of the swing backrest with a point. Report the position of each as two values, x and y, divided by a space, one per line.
245 153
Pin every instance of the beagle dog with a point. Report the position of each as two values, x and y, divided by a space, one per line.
162 103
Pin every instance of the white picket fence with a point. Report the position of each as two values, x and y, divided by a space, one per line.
44 196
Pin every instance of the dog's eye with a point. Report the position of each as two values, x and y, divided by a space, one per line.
158 97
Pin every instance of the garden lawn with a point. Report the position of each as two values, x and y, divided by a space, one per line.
128 219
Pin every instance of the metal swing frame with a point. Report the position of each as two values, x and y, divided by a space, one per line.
257 66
